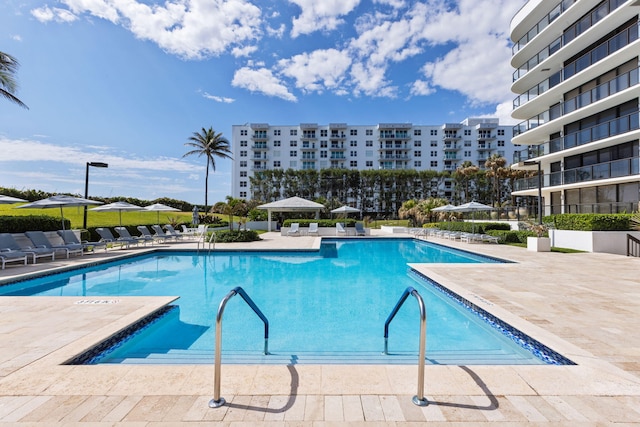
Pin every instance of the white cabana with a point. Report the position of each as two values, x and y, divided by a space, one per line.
292 204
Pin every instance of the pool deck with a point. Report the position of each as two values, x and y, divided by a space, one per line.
584 306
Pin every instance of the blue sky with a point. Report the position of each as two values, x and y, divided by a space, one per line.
128 81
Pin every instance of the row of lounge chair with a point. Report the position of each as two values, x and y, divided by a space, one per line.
455 235
313 229
125 238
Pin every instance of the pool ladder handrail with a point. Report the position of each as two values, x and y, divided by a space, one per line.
419 398
217 400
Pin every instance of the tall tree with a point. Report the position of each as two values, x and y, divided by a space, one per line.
496 170
8 85
211 145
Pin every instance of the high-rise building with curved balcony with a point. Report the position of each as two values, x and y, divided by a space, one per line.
577 92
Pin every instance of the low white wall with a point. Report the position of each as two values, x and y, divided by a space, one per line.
325 231
611 242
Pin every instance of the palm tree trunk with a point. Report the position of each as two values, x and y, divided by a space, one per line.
206 188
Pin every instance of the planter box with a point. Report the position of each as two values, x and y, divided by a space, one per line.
539 244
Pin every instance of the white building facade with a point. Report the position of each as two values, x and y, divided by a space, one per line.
260 146
576 85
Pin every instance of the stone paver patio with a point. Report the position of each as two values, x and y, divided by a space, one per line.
584 306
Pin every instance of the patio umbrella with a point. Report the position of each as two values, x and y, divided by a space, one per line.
472 207
119 207
445 208
59 201
195 217
346 210
5 200
159 207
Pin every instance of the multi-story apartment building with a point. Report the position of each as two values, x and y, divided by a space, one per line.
259 146
576 82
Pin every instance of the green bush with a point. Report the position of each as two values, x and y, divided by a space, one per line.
509 236
590 222
20 224
227 236
348 222
469 227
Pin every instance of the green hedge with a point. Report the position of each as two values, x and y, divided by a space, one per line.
511 236
227 236
590 222
20 224
348 222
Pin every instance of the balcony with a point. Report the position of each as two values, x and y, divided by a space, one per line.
394 157
260 146
337 147
483 136
599 171
258 157
396 146
394 135
259 136
451 147
484 147
604 130
451 136
338 136
606 89
542 24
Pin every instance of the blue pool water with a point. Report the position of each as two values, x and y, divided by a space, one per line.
322 306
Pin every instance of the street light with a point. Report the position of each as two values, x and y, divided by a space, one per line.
86 186
530 163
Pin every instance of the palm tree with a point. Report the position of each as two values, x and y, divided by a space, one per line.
211 145
232 207
496 169
8 67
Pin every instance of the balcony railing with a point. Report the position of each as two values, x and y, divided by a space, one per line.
611 87
394 157
613 169
615 43
595 133
542 24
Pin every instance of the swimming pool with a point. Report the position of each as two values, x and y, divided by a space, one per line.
323 307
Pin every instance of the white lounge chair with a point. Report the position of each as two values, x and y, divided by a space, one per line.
360 229
106 236
7 242
340 229
13 256
313 229
173 232
159 234
294 230
145 235
69 237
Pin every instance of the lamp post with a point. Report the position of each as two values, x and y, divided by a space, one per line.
533 162
86 186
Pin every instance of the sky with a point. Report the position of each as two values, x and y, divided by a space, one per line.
127 82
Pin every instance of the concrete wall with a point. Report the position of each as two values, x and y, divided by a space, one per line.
612 242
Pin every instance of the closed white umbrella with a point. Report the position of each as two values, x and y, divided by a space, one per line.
119 207
159 207
59 201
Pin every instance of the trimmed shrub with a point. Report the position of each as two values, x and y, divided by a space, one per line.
511 236
469 227
590 222
227 236
20 224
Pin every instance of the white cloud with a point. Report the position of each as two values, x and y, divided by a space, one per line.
46 14
16 37
194 29
396 4
320 15
317 70
262 80
218 98
421 88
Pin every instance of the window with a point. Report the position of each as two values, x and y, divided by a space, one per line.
434 163
276 143
467 143
243 143
243 154
243 163
434 132
500 132
276 164
243 194
417 164
293 143
243 174
293 164
243 132
467 154
353 153
369 132
500 143
353 163
353 143
501 153
467 132
417 153
417 143
353 132
417 132
276 132
369 163
369 143
293 153
323 154
243 184
323 144
434 143
293 132
434 154
323 133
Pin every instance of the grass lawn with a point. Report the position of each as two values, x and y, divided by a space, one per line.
100 219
